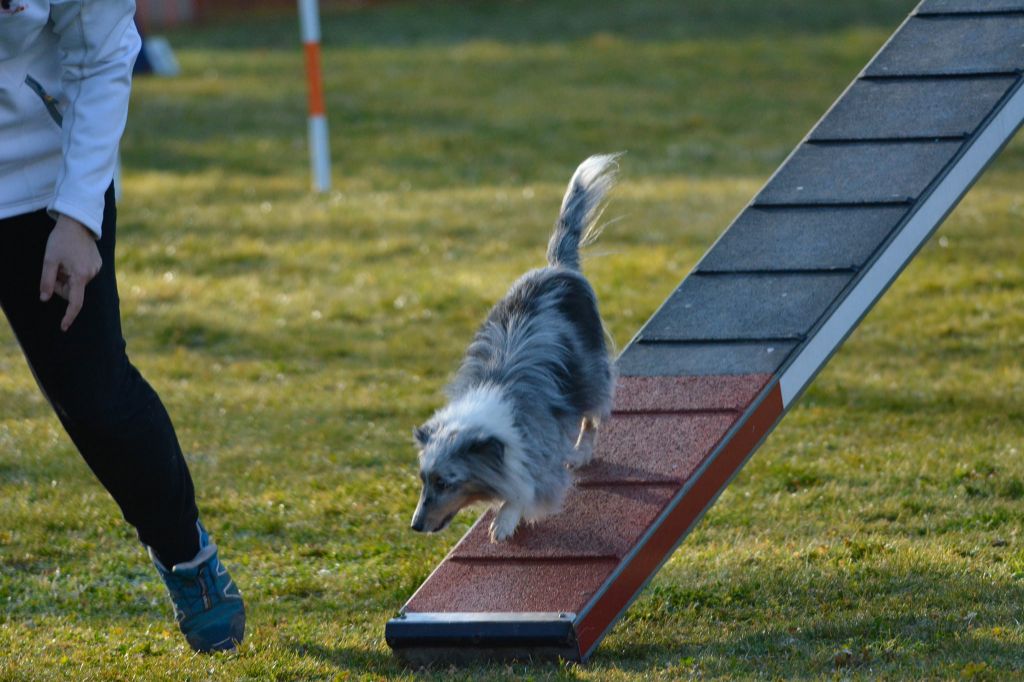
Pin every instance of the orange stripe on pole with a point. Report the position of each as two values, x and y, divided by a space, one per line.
315 79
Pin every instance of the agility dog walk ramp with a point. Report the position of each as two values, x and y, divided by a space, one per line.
729 352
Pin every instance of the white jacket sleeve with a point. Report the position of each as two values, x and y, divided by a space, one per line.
98 45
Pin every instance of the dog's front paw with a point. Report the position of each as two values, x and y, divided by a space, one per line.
504 524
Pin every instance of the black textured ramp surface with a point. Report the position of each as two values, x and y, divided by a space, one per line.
929 107
701 359
952 45
969 6
858 173
802 238
745 307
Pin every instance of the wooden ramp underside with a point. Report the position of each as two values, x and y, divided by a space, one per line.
727 354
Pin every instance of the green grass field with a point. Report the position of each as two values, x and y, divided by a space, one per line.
296 340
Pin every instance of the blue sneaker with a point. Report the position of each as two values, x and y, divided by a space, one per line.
207 604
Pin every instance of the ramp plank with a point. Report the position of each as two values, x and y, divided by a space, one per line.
951 45
898 109
802 238
858 173
745 306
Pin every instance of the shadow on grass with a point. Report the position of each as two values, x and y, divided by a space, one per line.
402 24
875 645
925 625
349 658
360 660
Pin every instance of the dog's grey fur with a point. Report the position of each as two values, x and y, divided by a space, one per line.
534 385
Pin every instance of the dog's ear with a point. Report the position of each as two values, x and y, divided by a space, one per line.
422 435
492 450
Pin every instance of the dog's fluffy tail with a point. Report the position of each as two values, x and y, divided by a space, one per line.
581 209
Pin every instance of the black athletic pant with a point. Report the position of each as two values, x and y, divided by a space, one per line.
113 416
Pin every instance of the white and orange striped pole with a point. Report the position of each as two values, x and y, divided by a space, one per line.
319 141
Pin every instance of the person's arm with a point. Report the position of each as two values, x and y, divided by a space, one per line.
98 43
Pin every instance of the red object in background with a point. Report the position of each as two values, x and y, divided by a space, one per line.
157 14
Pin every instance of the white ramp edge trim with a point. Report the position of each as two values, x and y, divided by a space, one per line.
930 214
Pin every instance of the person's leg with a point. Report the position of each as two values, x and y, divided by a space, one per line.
119 425
113 416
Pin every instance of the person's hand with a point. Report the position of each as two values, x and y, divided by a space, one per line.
70 262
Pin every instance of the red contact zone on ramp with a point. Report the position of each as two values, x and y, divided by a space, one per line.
679 519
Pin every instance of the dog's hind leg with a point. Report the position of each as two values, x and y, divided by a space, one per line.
583 451
505 522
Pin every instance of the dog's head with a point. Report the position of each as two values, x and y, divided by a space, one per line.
457 467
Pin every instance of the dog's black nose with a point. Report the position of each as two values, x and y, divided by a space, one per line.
417 525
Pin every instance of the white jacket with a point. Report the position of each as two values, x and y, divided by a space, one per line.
81 52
